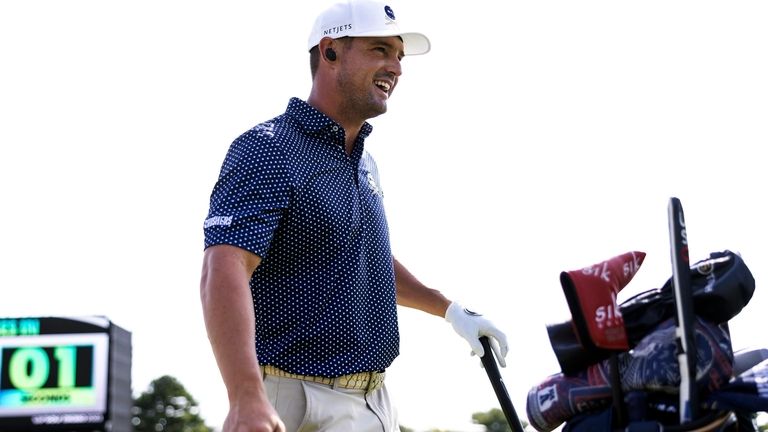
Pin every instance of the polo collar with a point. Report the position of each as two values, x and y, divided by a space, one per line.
314 122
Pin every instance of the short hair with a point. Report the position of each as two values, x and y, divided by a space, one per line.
314 59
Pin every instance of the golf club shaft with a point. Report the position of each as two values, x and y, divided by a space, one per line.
492 369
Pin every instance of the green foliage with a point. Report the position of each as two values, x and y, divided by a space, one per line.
493 420
166 406
405 429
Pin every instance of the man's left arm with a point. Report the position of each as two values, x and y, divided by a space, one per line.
469 325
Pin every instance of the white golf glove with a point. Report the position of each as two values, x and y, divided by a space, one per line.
471 326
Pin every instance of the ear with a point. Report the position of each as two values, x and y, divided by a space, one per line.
328 50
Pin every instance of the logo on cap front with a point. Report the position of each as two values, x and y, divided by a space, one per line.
390 13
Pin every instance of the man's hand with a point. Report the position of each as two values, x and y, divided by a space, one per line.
256 416
471 326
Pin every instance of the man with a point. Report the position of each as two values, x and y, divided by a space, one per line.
297 247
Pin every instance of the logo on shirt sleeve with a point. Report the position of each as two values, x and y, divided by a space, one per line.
218 221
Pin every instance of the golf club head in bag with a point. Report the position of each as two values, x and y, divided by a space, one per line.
597 327
591 294
650 367
722 285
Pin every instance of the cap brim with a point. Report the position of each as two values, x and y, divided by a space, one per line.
413 43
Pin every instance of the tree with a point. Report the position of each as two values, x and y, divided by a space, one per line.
166 406
494 421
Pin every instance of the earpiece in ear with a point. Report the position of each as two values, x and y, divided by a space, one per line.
330 54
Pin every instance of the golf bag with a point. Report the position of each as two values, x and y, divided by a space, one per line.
618 362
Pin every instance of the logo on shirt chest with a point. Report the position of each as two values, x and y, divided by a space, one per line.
374 186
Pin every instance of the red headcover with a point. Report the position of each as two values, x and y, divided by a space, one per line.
591 293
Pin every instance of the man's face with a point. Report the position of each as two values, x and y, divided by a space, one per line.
368 74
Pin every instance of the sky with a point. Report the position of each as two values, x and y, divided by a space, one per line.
535 138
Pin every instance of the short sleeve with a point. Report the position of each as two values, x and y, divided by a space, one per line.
251 194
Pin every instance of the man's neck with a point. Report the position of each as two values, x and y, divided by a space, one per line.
351 127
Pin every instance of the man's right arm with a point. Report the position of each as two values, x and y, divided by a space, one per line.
229 320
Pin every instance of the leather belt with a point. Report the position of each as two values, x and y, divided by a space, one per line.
368 381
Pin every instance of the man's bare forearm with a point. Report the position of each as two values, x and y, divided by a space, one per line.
414 294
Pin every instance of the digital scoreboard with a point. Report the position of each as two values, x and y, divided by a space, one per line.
64 374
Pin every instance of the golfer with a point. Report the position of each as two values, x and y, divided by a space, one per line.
299 286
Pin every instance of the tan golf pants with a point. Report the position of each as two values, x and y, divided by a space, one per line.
311 407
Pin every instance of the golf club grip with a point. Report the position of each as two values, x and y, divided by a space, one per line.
492 369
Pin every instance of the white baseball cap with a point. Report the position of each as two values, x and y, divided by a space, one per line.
364 18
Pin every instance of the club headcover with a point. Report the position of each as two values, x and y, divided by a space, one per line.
651 367
572 356
560 397
591 294
722 285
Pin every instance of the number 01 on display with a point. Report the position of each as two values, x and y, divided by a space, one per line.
66 371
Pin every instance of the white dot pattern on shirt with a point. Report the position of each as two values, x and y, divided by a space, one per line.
324 293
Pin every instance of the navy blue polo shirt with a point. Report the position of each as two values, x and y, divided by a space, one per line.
324 293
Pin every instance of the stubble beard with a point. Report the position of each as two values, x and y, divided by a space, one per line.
358 101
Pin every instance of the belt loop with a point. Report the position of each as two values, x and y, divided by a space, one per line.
375 381
370 384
